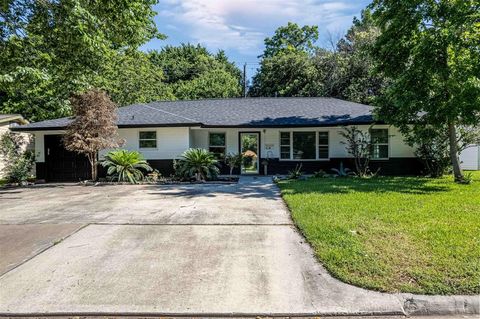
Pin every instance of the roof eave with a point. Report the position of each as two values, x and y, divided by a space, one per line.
62 128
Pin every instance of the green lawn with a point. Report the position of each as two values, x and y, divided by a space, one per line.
393 234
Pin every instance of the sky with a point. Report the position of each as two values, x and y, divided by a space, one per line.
239 27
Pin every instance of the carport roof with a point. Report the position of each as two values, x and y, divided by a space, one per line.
238 112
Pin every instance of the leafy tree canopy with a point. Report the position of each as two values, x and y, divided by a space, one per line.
51 49
290 38
430 50
193 73
306 70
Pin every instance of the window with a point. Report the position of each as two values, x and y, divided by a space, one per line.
285 145
217 144
148 139
303 145
323 145
379 143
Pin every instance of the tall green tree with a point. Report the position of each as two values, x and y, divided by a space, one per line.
286 68
285 75
192 72
53 48
431 52
132 78
360 83
290 38
345 72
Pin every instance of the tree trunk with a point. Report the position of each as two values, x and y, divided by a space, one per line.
93 166
457 170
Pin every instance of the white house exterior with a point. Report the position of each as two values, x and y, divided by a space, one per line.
282 132
470 158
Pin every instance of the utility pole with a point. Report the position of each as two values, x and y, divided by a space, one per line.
245 80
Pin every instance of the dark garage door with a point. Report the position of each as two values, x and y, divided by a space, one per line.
63 165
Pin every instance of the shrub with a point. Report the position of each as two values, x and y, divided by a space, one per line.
126 166
197 163
296 173
342 171
18 163
320 174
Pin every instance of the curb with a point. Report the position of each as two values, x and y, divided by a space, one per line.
422 305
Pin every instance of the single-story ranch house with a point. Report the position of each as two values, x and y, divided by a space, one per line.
282 132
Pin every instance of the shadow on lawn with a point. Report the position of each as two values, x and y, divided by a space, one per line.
406 185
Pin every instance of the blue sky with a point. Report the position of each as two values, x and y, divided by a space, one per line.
239 27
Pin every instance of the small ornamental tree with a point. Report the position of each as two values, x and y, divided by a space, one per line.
358 144
93 127
233 160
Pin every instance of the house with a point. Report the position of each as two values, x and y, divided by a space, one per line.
279 132
7 121
470 158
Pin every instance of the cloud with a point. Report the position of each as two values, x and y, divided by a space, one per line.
243 25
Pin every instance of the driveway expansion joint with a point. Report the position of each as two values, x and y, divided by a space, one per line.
41 251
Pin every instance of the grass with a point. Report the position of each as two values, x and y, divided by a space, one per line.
393 234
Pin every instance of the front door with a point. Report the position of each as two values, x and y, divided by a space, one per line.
250 150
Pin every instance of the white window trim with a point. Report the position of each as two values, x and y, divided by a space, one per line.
318 145
291 159
388 145
224 146
148 139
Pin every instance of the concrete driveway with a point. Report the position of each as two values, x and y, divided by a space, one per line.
164 250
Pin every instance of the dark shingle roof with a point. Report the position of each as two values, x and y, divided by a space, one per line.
250 112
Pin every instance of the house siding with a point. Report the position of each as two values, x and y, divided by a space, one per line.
173 141
401 161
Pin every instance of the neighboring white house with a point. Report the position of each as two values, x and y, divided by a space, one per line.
470 158
8 121
284 132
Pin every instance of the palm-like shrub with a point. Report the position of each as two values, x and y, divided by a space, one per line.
126 166
198 163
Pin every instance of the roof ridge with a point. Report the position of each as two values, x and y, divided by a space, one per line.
247 98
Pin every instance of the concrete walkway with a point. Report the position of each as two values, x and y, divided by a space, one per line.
165 250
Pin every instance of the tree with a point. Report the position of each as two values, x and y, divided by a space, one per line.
360 83
286 74
430 50
132 78
191 72
345 72
431 145
291 38
233 160
359 145
93 127
52 48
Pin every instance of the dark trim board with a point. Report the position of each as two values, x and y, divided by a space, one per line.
390 167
